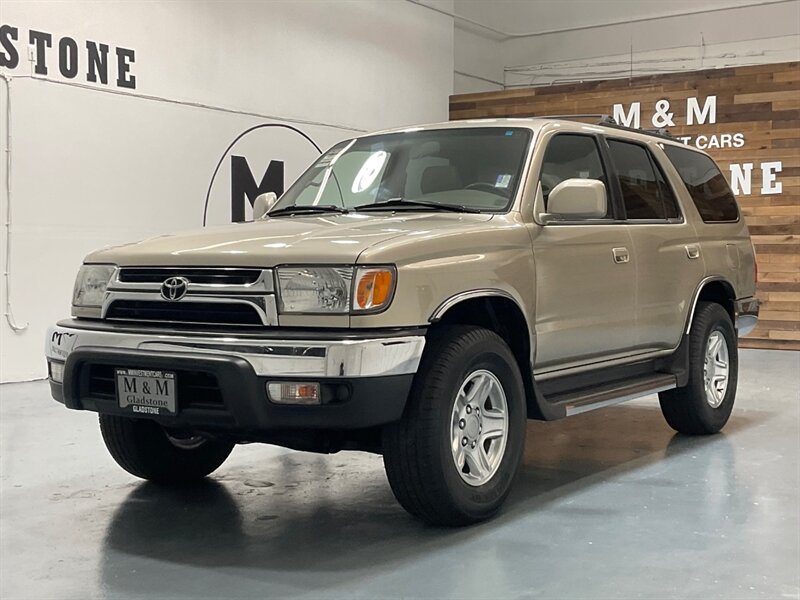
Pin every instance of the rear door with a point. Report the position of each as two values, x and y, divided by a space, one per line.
669 261
585 269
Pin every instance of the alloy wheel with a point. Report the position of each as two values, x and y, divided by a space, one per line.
479 427
716 368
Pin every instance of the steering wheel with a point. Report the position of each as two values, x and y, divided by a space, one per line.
485 187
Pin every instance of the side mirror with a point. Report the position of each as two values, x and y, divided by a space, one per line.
262 204
577 199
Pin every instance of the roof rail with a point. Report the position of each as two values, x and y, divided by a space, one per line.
609 121
660 133
601 118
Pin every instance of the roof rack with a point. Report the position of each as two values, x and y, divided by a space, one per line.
601 119
609 121
661 133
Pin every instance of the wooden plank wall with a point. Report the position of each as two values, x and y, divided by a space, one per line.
760 102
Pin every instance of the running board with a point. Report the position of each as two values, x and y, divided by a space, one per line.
586 399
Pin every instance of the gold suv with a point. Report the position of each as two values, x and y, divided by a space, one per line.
420 293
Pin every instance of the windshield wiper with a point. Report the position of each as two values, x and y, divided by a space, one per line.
394 203
315 208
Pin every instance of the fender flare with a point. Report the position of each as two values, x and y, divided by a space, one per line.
696 297
440 310
538 407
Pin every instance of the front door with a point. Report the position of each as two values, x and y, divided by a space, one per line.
585 269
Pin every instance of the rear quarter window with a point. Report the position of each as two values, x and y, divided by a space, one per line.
706 185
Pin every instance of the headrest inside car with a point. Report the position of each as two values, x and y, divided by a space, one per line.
439 179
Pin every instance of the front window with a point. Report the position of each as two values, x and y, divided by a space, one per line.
477 169
570 156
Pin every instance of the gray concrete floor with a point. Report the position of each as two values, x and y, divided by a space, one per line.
609 504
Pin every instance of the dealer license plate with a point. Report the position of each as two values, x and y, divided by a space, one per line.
147 392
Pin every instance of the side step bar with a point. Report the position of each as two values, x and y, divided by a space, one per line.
586 399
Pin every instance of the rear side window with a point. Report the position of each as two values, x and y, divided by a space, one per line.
706 184
645 192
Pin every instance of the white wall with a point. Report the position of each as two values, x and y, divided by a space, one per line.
95 164
543 41
478 61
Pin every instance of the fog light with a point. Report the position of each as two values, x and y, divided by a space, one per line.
56 371
293 392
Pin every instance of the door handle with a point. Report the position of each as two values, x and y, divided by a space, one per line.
692 251
621 255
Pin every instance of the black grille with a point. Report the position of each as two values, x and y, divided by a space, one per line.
208 276
101 381
184 312
196 389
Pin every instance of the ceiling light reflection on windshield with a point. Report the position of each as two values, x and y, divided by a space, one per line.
369 171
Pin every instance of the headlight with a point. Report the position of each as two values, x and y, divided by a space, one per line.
335 290
91 284
315 289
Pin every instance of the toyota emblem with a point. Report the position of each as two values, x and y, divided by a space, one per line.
174 288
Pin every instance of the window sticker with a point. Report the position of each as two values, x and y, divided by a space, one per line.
502 180
325 161
329 158
369 171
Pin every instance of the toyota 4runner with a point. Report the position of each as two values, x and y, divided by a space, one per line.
420 293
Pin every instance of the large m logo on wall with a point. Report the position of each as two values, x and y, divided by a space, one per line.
245 189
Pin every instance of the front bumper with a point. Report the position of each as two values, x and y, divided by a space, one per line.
365 378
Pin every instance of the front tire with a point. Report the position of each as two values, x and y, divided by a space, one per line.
452 458
704 405
145 449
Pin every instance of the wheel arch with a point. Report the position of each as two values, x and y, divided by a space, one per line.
713 289
500 312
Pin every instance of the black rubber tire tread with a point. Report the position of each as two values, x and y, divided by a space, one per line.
686 409
411 447
141 447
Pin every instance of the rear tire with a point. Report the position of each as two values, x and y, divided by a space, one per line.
144 449
704 405
468 387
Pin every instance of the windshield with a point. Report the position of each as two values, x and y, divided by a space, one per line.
475 168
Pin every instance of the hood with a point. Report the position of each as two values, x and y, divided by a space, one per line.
325 239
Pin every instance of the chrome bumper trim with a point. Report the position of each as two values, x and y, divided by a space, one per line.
269 356
746 311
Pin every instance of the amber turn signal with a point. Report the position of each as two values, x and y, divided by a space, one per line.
374 287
